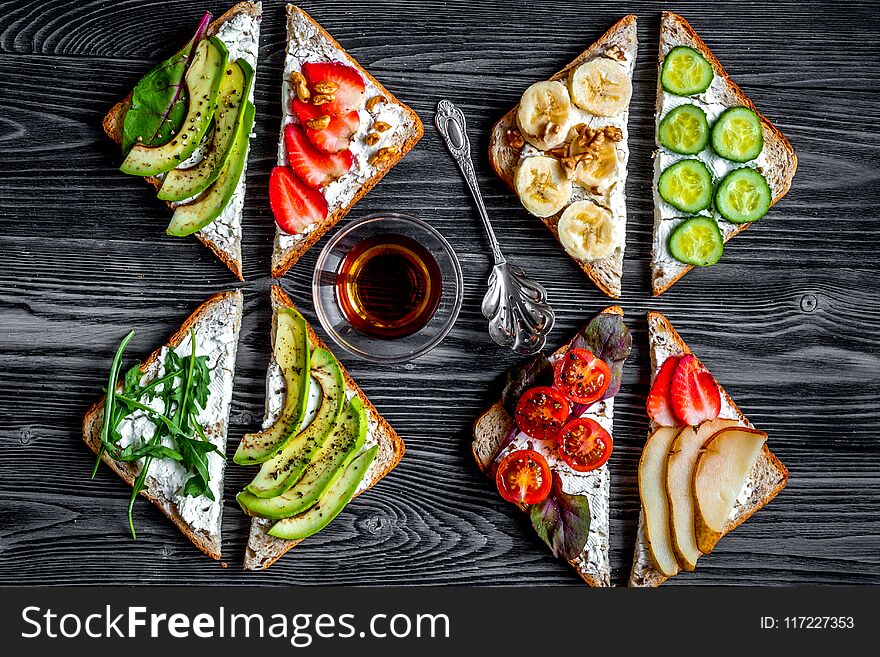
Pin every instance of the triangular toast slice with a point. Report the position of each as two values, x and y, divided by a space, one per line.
216 323
777 162
239 29
307 41
767 477
494 425
262 549
506 149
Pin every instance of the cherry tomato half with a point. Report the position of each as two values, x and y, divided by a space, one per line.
523 477
581 376
584 444
541 412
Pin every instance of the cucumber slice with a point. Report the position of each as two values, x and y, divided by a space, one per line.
743 196
684 130
685 72
697 241
737 135
686 186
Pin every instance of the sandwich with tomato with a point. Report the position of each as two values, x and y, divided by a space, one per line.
547 442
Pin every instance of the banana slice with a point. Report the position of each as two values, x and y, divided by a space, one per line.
594 156
544 114
587 231
541 185
601 86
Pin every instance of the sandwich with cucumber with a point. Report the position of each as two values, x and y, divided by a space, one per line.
163 423
704 469
186 129
563 150
547 442
341 132
719 163
321 444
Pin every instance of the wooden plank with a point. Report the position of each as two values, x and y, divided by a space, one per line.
787 322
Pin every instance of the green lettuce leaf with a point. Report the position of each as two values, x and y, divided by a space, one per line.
562 521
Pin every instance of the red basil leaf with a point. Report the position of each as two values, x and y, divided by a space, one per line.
562 521
537 371
609 339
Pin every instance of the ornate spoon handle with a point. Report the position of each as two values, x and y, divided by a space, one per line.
452 126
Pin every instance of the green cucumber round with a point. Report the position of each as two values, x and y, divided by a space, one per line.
684 130
697 241
686 186
685 72
743 196
737 135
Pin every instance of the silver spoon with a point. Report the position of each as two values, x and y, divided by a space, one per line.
515 305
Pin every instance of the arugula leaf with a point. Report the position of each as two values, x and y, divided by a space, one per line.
562 521
537 371
130 453
609 339
159 101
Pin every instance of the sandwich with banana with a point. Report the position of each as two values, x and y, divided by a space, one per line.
719 166
186 129
547 442
564 150
704 469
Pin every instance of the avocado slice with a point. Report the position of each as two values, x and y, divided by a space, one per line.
286 469
291 352
330 462
333 501
207 206
202 84
181 184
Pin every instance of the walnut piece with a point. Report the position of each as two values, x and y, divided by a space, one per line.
381 126
321 99
300 86
372 139
320 123
616 52
375 100
326 87
515 138
384 157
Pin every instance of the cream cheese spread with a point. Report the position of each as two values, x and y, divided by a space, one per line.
308 44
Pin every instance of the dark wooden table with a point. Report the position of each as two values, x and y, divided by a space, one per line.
788 321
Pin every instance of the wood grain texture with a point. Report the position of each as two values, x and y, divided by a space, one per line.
788 321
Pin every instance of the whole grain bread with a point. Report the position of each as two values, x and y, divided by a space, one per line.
284 256
491 427
605 273
218 310
767 477
262 549
227 249
676 31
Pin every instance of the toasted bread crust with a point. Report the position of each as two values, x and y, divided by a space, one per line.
114 120
605 273
498 422
284 259
271 548
780 151
128 472
650 576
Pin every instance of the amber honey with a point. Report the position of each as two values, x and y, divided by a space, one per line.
388 286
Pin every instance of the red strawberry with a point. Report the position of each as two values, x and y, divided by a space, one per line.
694 396
336 136
316 168
349 93
294 204
659 409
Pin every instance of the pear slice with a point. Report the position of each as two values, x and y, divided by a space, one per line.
652 491
679 487
722 468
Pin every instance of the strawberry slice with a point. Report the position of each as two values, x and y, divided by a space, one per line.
694 395
338 133
316 168
349 93
659 409
294 204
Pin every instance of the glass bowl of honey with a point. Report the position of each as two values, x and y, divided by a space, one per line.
387 287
